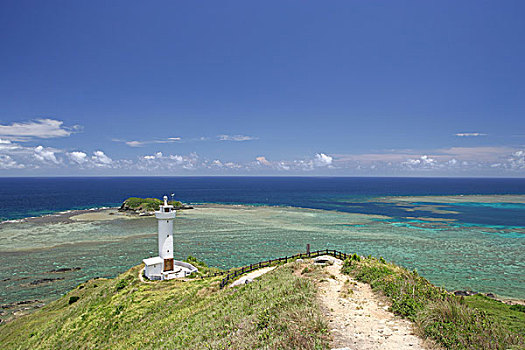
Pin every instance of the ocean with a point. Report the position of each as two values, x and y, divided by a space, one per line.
25 197
460 233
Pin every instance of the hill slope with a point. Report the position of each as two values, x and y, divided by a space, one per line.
282 310
279 311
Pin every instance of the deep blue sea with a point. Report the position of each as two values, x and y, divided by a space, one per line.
27 197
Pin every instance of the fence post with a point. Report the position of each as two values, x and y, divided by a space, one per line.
308 249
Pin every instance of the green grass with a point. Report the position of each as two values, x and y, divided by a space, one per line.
509 316
453 322
148 204
279 311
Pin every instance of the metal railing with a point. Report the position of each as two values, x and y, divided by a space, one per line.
248 268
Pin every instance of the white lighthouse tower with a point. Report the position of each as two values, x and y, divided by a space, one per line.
163 267
165 217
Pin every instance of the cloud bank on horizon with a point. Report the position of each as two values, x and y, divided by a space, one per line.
19 157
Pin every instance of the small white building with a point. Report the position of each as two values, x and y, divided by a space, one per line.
163 267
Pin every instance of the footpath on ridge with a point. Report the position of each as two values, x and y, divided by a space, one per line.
358 319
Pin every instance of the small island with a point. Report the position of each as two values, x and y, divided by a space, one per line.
147 206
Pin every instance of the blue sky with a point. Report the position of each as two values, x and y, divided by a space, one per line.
358 88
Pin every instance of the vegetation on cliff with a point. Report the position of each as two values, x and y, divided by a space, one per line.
145 204
475 322
277 312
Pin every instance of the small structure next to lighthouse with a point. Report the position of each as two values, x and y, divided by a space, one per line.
163 267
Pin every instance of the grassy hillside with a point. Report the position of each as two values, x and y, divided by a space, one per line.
455 322
279 311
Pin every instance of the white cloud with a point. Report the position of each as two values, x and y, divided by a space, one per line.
412 162
6 162
283 166
177 159
40 128
233 165
216 164
136 143
427 160
237 138
263 161
322 159
469 134
421 162
8 146
45 155
517 160
78 157
157 155
100 159
161 162
485 153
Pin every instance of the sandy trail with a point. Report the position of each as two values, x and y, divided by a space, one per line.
359 320
252 275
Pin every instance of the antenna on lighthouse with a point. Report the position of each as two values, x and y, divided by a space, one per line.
172 199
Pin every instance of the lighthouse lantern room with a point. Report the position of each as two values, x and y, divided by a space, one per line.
163 267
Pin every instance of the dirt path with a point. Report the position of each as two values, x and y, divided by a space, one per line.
252 275
358 319
141 276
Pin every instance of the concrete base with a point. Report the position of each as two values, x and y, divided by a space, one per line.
181 269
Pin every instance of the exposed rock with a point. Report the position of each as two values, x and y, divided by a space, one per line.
64 269
464 293
18 303
44 280
324 260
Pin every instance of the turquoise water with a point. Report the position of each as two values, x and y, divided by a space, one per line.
450 254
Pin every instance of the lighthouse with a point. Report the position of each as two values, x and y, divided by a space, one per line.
164 267
165 217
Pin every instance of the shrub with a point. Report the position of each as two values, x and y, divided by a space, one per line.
73 299
518 307
196 262
121 284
